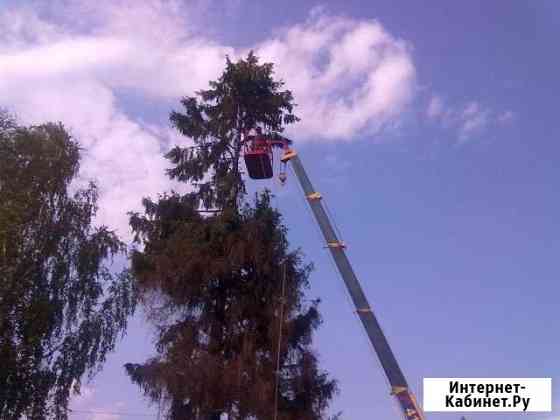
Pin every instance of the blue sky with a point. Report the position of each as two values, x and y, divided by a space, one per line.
430 128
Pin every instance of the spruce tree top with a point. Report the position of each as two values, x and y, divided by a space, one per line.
245 97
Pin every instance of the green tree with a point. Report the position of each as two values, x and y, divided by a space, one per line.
61 310
224 290
244 97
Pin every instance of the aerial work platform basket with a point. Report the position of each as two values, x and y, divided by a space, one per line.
258 157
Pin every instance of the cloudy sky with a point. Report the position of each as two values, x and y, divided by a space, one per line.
430 127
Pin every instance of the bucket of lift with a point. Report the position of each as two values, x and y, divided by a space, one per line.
258 157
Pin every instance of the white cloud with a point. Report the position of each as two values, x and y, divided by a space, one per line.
472 120
71 61
435 107
469 120
123 155
347 76
48 73
506 117
22 27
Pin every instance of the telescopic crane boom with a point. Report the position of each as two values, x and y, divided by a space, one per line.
258 160
399 386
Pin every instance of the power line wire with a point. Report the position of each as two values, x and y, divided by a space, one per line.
280 326
115 413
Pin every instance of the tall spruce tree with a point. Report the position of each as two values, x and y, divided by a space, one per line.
224 291
61 310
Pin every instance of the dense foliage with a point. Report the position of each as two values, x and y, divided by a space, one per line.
244 97
61 310
214 288
224 289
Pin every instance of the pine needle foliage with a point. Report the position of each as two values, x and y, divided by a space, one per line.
221 289
244 97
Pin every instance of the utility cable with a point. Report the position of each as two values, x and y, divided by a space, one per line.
113 413
279 346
